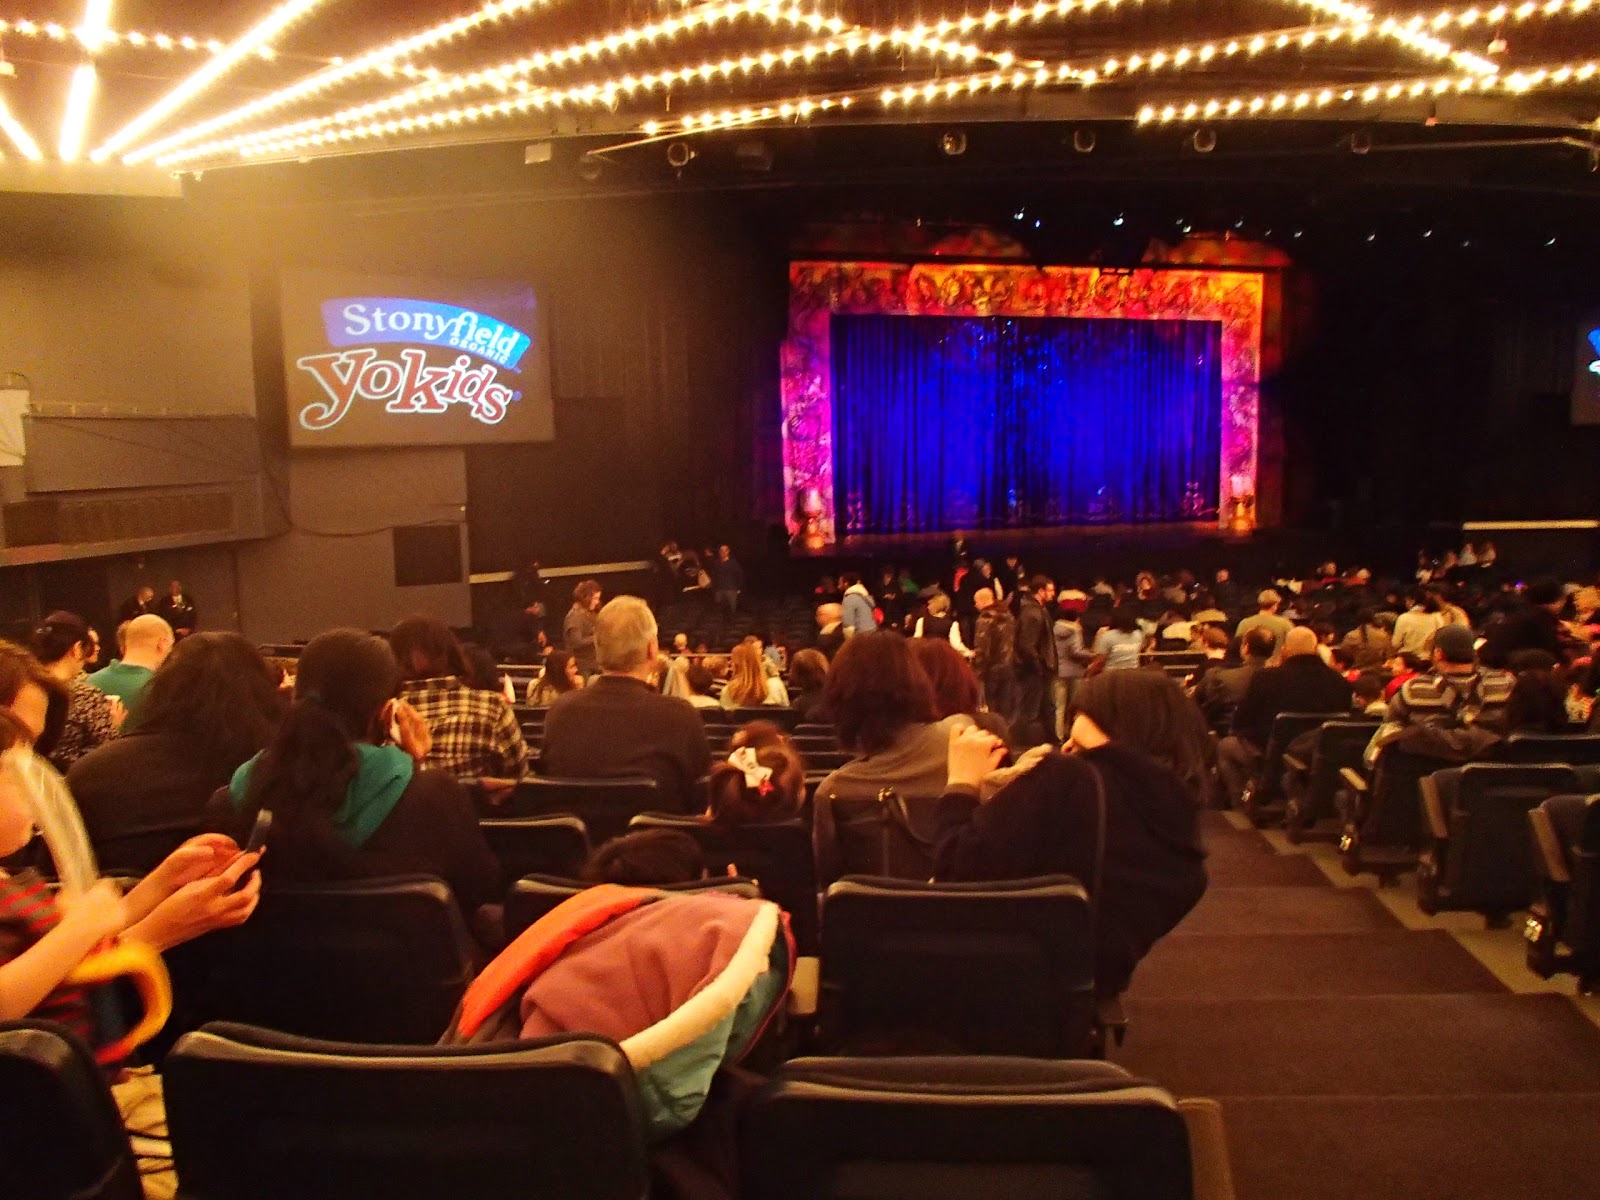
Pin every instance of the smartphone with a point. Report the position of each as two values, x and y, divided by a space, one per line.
257 841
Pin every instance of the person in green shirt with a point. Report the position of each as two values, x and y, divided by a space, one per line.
146 642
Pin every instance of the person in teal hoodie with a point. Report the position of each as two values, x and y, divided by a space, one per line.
342 780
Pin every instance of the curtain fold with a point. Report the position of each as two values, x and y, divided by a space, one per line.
947 423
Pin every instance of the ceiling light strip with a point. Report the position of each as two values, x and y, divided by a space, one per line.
1412 38
75 116
56 32
1495 15
321 81
257 39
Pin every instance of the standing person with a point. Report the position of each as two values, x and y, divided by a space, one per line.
1118 645
939 624
727 580
994 654
1072 658
147 641
64 643
1035 656
177 609
1414 629
578 629
1268 616
858 615
142 601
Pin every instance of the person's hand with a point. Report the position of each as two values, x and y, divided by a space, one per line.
415 737
974 752
198 858
100 911
203 905
118 710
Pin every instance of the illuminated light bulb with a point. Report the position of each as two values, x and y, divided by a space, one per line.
75 117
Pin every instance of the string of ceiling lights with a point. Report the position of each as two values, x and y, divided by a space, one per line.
434 99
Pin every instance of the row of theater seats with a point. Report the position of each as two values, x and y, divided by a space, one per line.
259 1115
1494 838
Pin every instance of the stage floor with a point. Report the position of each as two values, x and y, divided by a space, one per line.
1076 537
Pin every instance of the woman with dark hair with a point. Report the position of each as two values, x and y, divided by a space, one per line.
808 676
560 677
955 684
475 732
1130 780
1538 704
347 802
213 704
1117 647
1369 643
65 645
578 628
884 712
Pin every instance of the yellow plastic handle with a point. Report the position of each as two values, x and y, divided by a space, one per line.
143 966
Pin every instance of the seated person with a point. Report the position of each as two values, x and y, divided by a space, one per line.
348 803
1221 688
647 858
1367 695
763 779
750 685
145 643
885 714
559 677
211 706
955 685
700 685
621 725
1138 746
64 643
1538 704
808 675
1453 712
474 732
44 935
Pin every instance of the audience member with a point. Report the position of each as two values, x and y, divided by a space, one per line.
1414 628
1117 646
750 686
858 616
621 726
1369 644
1537 704
808 676
146 641
763 779
727 580
1222 688
1452 712
213 705
64 643
1267 616
1367 695
1132 783
560 676
956 690
700 684
830 628
1533 623
177 609
994 643
347 802
647 858
1302 683
474 731
1072 658
883 709
938 623
1035 658
577 630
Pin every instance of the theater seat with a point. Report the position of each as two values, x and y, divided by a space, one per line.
1263 799
969 1129
61 1137
377 960
1310 787
532 897
1479 855
605 806
776 854
1574 749
977 968
886 835
1563 926
552 845
1381 816
259 1115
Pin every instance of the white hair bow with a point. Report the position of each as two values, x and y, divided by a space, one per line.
755 775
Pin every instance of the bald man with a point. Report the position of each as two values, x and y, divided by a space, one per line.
1301 683
830 628
146 642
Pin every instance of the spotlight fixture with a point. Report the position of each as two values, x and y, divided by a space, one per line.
1361 142
1204 140
953 143
680 155
590 167
1083 141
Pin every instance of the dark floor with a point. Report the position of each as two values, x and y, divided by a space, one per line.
1356 1057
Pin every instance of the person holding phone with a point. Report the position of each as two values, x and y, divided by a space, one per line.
344 781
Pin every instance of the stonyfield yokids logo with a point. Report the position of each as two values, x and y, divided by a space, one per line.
403 381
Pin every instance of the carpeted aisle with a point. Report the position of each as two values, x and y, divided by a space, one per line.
1355 1057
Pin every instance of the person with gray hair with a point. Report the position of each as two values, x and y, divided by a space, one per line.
621 726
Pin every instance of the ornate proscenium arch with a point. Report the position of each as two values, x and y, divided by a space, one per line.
818 290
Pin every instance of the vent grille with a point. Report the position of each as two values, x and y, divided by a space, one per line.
76 522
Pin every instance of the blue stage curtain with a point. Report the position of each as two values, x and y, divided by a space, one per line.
1018 422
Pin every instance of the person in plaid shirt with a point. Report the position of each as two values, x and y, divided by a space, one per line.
475 733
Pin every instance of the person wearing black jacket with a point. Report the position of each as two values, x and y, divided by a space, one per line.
1137 742
1303 683
1035 657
